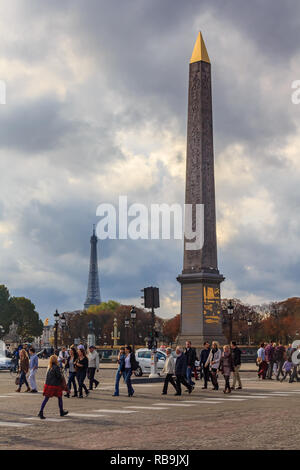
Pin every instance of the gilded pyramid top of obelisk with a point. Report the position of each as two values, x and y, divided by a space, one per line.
199 52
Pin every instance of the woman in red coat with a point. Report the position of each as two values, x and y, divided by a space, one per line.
54 386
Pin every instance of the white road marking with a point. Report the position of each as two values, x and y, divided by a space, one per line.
251 396
171 404
82 415
232 399
202 402
14 425
54 420
146 407
114 411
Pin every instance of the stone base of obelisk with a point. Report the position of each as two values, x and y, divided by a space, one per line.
201 318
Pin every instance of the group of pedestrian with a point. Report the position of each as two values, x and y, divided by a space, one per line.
212 361
27 362
276 359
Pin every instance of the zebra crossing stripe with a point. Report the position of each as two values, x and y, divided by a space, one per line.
83 415
54 420
13 425
202 402
115 411
172 404
146 407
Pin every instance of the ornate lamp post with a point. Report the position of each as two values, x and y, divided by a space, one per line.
56 316
133 318
230 309
60 320
115 334
249 321
126 324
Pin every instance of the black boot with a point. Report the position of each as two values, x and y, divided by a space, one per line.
75 395
63 413
41 415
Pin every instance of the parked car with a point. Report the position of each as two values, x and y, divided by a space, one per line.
143 356
5 363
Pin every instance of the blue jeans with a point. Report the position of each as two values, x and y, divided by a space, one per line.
128 373
71 381
80 379
119 374
189 376
23 379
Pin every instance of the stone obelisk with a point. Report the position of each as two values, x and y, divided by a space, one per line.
200 279
93 291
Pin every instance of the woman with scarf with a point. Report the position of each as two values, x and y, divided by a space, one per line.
213 361
226 367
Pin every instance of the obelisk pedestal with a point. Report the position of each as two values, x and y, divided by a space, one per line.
200 279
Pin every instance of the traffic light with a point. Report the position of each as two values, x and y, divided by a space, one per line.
151 297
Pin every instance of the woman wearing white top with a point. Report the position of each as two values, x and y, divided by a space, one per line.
129 358
169 369
213 361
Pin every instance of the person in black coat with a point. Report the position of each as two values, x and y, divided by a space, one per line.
203 358
190 354
180 371
237 361
81 366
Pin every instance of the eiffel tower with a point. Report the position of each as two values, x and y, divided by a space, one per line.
93 291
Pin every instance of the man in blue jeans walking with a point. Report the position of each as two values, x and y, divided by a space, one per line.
120 371
190 354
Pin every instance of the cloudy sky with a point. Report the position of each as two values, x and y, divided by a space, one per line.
97 108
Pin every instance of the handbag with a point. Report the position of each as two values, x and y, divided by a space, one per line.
64 385
17 381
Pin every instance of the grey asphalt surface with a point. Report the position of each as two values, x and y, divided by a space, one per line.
264 415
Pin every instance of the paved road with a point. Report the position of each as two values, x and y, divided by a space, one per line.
264 415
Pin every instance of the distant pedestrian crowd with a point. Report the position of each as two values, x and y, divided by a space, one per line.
276 361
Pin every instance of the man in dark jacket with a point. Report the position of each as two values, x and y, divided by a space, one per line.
269 355
203 358
190 354
180 371
236 354
279 358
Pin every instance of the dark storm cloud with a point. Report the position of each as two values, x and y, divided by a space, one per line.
140 51
34 126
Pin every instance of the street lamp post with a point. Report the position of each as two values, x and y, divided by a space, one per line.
230 309
59 320
126 324
249 321
133 318
56 316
